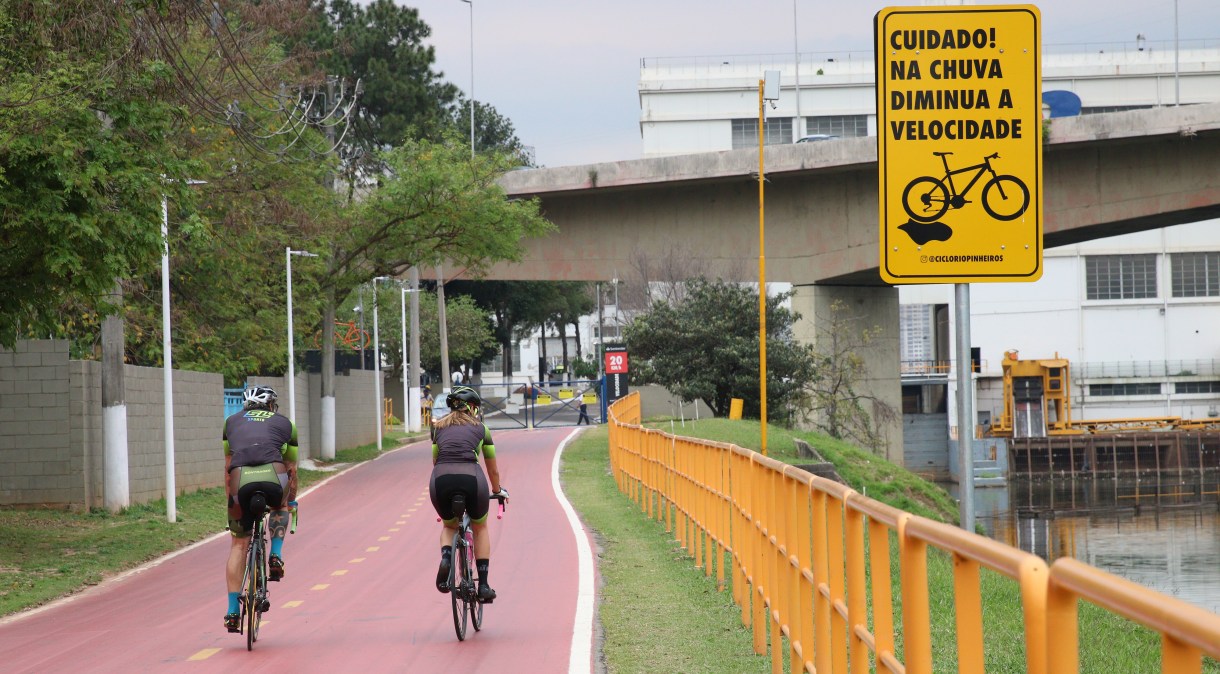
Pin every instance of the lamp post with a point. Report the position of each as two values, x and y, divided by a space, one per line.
471 3
292 394
171 487
377 402
768 90
414 393
797 131
410 413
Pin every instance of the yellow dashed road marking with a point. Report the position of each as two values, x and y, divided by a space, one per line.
401 522
393 528
320 586
340 572
384 538
372 549
356 560
204 654
293 604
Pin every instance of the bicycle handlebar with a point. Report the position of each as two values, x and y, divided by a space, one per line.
994 156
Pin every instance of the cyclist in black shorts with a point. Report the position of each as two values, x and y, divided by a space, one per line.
457 440
260 455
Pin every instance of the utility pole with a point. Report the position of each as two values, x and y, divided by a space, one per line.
116 491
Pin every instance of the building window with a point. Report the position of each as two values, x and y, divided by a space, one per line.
1197 387
1120 277
745 132
1195 274
1125 389
843 126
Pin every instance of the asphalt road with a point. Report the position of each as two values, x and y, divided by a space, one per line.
358 595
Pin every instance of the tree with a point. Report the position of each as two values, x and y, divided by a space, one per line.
470 330
839 407
513 306
85 145
382 45
705 347
491 130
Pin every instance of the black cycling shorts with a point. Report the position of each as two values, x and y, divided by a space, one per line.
466 478
251 480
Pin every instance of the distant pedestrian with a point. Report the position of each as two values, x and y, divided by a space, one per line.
584 414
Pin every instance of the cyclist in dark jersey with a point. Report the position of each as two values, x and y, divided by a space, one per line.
260 455
457 440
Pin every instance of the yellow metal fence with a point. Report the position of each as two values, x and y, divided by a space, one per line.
811 560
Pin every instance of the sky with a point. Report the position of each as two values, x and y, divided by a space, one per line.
566 72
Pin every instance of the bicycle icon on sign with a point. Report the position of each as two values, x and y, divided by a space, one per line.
926 199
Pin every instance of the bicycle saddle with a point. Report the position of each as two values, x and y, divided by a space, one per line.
258 504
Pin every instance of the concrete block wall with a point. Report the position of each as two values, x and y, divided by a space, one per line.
87 439
198 417
356 412
35 463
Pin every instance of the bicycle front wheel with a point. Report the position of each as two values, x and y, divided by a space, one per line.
472 600
1005 197
458 580
925 199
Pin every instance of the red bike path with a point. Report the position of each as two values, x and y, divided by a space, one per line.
358 595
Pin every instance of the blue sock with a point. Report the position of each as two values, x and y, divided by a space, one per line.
277 545
233 606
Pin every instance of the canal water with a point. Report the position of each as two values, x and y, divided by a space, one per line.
1165 536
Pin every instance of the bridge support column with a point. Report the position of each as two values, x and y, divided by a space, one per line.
845 313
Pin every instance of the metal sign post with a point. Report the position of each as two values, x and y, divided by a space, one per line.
959 155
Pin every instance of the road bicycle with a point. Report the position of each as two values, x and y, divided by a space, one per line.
926 199
347 334
254 599
463 582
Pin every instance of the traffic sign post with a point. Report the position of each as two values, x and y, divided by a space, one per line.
959 143
616 372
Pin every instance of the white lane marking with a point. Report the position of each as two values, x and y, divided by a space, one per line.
581 658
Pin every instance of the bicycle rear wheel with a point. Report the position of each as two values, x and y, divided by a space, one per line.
458 581
251 591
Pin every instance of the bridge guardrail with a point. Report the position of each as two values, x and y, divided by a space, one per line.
811 559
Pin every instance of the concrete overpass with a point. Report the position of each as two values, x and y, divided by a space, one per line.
1104 175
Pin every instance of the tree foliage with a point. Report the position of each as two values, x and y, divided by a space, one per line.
382 44
705 347
470 331
84 141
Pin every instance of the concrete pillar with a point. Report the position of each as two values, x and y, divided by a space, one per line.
872 308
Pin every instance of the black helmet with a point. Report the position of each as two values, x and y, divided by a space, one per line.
463 397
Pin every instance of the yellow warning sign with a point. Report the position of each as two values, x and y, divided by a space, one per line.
959 143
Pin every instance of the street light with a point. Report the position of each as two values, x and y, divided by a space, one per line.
471 3
171 487
768 90
377 361
292 395
410 412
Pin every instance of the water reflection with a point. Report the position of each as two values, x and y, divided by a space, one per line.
1161 535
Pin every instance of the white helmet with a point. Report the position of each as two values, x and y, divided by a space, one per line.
259 396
